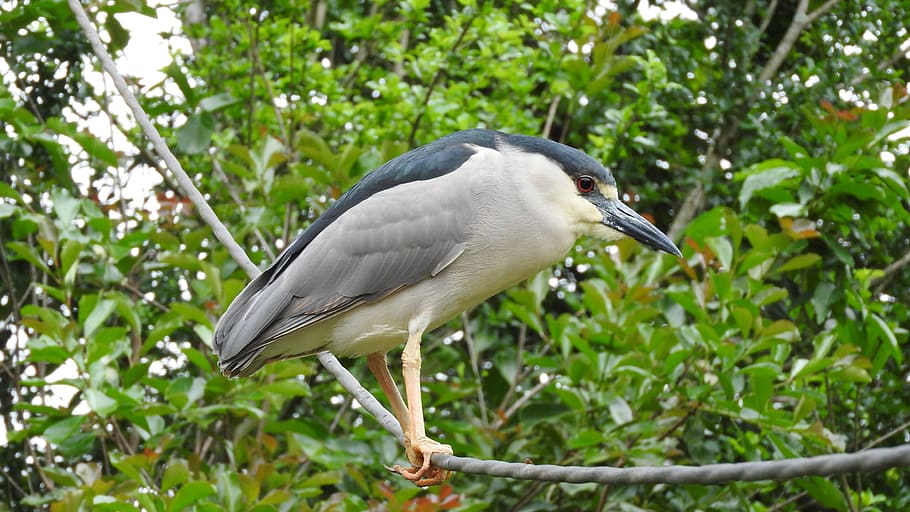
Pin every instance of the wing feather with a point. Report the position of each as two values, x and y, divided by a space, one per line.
395 238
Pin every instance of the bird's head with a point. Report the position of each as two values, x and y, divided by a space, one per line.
587 191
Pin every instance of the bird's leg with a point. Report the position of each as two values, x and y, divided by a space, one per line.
377 364
421 447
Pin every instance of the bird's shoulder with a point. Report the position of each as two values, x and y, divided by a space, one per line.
426 162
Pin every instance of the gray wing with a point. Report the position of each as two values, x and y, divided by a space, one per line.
397 237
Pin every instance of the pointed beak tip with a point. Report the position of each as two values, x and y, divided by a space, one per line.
664 244
622 218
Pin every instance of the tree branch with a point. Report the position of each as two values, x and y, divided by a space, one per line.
881 281
800 20
426 98
900 53
331 363
695 199
876 459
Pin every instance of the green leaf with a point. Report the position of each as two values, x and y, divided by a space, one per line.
175 473
795 150
767 174
799 262
290 187
789 210
119 36
195 135
769 295
722 249
92 145
29 254
893 180
586 438
69 257
217 102
197 358
8 210
99 314
6 190
767 369
314 146
882 331
822 299
807 367
287 388
64 429
824 492
100 403
620 411
191 494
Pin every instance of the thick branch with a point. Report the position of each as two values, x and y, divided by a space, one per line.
800 20
876 459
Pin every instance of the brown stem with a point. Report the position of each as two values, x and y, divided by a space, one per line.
551 115
883 280
439 72
475 366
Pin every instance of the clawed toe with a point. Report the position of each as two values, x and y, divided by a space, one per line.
423 473
424 476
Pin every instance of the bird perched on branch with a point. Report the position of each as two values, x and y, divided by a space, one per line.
413 244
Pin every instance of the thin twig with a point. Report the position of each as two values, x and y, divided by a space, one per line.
898 54
881 281
765 22
128 286
822 9
257 64
222 176
529 394
519 365
887 436
341 410
439 71
792 499
475 366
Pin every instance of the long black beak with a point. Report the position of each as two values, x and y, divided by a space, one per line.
624 219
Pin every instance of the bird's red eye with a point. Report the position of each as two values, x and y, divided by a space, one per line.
585 184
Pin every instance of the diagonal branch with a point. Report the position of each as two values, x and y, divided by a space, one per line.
331 363
881 281
898 54
412 138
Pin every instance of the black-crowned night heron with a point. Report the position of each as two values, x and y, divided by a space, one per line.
413 244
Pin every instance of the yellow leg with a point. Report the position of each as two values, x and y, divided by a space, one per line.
422 447
377 365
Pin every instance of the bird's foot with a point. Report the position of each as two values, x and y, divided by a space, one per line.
422 473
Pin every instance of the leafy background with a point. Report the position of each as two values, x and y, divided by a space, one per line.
770 138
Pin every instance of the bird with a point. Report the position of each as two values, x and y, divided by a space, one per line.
416 242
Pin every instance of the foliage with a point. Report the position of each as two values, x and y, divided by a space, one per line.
779 334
